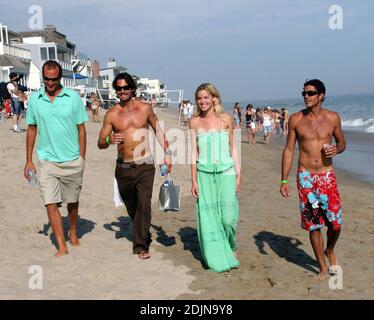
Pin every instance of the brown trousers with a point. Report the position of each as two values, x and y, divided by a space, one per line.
135 186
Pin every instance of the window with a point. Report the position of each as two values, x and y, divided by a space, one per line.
43 54
51 53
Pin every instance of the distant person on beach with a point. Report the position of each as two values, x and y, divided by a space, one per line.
313 129
95 107
236 119
281 120
15 92
185 112
7 108
190 109
258 114
154 103
127 126
284 118
267 124
58 115
215 173
237 105
277 126
250 124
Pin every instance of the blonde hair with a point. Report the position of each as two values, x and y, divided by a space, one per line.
217 103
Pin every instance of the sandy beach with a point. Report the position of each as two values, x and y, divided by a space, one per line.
277 260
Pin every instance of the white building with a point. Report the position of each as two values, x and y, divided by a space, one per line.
151 87
108 74
48 44
14 59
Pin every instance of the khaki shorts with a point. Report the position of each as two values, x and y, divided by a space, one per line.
60 182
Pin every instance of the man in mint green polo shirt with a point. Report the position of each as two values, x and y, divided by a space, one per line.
57 115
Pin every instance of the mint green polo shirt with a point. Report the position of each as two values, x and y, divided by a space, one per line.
57 124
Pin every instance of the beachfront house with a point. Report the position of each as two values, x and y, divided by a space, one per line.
49 44
107 76
15 59
149 88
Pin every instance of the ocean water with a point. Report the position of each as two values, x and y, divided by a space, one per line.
357 115
356 111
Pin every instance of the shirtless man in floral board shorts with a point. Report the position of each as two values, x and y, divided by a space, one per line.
313 128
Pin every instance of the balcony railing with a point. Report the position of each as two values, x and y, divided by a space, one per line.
16 52
66 66
89 82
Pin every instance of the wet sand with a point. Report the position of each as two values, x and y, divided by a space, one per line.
277 260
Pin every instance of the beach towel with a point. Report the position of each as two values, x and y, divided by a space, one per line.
118 202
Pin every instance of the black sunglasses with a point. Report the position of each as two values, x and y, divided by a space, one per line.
51 79
119 88
309 93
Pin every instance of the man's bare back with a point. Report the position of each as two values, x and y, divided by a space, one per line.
312 131
132 123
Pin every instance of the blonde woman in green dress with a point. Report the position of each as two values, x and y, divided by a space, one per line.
215 173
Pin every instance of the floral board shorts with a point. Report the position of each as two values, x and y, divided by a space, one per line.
320 203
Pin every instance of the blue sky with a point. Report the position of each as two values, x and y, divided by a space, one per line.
260 49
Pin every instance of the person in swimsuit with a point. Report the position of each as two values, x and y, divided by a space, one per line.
250 124
215 174
320 205
277 121
259 114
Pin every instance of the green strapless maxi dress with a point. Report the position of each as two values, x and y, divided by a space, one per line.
217 205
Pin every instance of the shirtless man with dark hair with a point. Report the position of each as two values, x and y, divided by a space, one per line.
313 129
127 126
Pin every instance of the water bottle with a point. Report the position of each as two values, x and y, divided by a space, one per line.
163 169
32 177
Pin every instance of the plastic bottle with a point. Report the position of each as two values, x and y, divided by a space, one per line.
163 169
32 177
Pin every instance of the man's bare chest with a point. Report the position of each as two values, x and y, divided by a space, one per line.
129 120
314 129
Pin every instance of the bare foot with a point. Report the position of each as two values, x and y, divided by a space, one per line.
74 239
61 252
321 276
144 255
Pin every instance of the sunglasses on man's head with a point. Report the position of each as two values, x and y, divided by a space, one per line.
119 88
309 93
51 79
